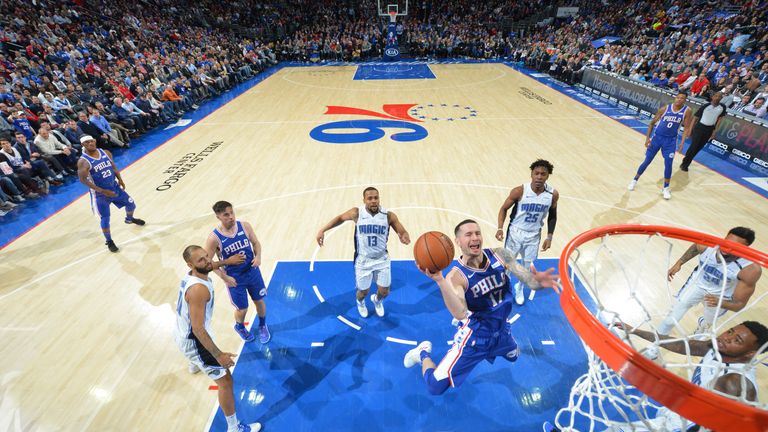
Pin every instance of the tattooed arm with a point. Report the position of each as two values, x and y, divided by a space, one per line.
692 251
535 280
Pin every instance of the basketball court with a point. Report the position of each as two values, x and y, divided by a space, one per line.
88 335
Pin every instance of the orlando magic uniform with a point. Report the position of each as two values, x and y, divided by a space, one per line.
102 174
372 261
525 222
249 280
485 334
713 275
186 340
705 375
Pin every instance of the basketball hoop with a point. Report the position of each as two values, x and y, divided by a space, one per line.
392 16
617 371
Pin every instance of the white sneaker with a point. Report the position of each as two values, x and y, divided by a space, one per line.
193 368
632 185
519 295
362 308
666 193
253 427
378 305
702 331
413 356
651 352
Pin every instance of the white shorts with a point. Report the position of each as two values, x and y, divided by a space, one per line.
379 273
523 243
196 353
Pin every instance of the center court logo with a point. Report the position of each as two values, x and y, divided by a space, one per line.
394 116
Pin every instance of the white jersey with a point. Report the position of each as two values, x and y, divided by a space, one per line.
710 369
528 214
183 322
708 275
371 234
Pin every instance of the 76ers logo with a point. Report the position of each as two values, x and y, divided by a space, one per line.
395 116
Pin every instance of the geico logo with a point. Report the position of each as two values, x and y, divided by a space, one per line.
760 162
758 168
741 153
719 144
718 150
738 160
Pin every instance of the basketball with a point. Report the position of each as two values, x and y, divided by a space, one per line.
433 251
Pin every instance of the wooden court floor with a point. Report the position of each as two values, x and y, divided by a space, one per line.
87 335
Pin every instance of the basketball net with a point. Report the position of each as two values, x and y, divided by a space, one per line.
623 269
392 16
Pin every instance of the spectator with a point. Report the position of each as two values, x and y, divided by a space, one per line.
50 146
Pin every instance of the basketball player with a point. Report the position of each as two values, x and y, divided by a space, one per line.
476 292
372 262
669 119
193 332
98 171
529 203
233 237
731 373
706 282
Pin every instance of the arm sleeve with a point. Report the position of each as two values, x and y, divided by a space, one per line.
551 220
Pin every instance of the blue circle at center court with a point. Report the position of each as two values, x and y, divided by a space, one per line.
319 373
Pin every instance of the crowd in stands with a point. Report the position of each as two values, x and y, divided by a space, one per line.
114 70
697 47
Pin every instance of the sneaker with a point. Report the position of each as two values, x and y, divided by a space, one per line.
683 168
3 212
112 246
244 333
632 185
413 356
18 199
651 353
519 294
193 368
264 335
362 308
378 305
549 427
33 195
135 221
666 193
244 427
702 330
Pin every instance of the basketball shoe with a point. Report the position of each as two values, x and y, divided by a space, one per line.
413 356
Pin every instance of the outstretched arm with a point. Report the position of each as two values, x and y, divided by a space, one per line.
697 348
513 197
350 214
394 222
692 251
534 279
452 289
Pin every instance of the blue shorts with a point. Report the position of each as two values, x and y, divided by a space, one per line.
248 283
101 202
473 343
663 143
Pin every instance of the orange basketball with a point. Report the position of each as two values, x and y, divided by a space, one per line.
433 251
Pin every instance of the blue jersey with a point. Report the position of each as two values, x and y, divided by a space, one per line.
102 171
236 245
670 122
487 289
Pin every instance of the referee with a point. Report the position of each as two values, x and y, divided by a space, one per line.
705 122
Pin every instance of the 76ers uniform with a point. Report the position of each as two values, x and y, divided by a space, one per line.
102 174
713 275
525 222
249 280
186 340
372 261
485 334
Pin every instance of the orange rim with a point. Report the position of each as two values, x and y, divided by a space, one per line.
697 404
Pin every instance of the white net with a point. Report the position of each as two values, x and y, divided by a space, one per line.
624 279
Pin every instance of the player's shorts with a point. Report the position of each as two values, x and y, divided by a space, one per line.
196 353
101 202
473 343
249 283
663 143
379 273
523 243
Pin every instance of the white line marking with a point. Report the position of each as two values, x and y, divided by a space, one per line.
450 342
547 342
719 184
513 319
401 341
348 322
639 127
318 344
317 293
531 295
